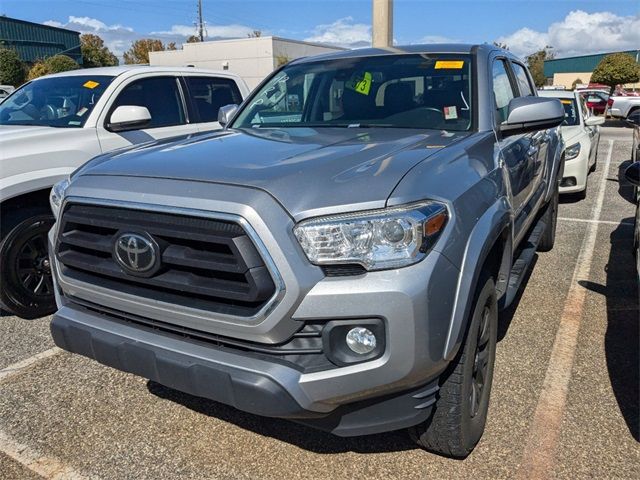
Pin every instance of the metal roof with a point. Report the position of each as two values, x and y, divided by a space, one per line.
584 63
34 41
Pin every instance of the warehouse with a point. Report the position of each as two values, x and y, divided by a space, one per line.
565 71
34 41
251 58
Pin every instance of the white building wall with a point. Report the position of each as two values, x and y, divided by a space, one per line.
251 58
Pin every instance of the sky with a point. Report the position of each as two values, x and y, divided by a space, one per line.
572 27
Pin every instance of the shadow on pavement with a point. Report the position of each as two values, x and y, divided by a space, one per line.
299 435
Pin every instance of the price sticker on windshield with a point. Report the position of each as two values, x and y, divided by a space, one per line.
449 64
90 84
361 84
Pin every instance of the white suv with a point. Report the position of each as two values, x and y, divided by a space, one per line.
52 125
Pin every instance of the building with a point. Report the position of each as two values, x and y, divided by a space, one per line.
565 71
34 41
251 58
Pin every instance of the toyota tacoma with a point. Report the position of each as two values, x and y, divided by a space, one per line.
337 255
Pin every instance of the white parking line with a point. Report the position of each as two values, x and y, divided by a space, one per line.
47 467
15 369
592 220
538 459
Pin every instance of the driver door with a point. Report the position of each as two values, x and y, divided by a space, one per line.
163 97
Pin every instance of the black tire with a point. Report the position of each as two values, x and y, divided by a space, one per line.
550 217
460 413
594 167
25 274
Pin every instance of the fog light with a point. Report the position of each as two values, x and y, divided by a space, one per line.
361 340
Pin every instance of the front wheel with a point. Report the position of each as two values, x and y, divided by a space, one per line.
25 272
550 217
460 412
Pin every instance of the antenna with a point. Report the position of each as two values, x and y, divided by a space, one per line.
200 22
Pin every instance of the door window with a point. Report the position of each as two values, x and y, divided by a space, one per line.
523 80
208 94
160 95
502 90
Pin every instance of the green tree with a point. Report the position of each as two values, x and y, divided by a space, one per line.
95 53
139 51
193 39
615 69
12 71
535 62
55 64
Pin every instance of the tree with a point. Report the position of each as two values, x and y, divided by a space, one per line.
193 39
139 51
576 82
535 62
614 69
172 46
55 64
255 34
12 69
94 52
501 45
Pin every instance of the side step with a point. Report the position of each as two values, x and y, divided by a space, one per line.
521 265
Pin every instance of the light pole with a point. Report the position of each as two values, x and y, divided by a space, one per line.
382 24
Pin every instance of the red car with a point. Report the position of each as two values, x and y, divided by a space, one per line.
596 101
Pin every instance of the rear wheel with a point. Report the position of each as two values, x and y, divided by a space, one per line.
460 412
25 272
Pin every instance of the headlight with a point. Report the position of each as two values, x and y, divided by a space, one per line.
572 152
57 195
377 239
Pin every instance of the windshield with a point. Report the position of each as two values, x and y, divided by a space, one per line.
403 91
570 112
54 102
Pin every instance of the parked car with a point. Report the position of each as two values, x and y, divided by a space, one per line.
52 125
581 136
5 91
596 101
623 106
632 174
337 255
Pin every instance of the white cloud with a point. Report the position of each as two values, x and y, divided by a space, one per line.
343 32
213 31
579 33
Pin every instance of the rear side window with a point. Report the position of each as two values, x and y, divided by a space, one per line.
523 80
502 90
160 95
208 94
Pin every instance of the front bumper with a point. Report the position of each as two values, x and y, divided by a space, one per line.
578 168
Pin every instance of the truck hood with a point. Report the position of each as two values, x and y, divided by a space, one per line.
309 171
16 133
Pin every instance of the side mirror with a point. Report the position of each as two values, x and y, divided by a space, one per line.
128 117
632 173
529 114
226 113
592 121
634 118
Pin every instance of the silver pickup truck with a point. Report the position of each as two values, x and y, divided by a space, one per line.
337 255
623 106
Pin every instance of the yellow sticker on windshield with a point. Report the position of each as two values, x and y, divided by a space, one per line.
90 84
566 102
363 85
449 64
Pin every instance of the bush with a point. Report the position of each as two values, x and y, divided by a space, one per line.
11 68
55 64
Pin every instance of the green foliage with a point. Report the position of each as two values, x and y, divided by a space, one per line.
12 70
535 62
282 60
139 51
617 68
193 39
55 64
95 53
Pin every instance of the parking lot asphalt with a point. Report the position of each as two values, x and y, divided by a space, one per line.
564 401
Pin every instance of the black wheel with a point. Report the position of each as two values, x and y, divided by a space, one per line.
550 217
25 272
460 413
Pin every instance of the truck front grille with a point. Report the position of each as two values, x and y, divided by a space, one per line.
202 263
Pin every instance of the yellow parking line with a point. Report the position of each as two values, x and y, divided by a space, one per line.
538 459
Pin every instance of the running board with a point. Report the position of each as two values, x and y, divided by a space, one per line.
521 265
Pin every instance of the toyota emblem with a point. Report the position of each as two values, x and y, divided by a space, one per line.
136 254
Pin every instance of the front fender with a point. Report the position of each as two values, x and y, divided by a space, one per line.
28 182
488 229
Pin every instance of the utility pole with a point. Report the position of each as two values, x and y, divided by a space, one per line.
200 22
382 23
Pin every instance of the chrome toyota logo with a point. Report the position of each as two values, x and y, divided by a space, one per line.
135 253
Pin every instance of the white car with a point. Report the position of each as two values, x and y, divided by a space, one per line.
581 135
52 125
